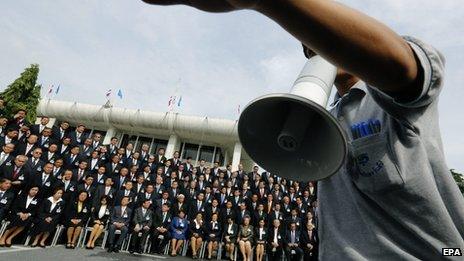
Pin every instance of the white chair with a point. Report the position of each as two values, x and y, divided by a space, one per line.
3 227
202 250
58 231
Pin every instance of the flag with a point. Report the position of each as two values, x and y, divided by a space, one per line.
108 94
57 89
238 109
120 94
180 100
50 90
170 101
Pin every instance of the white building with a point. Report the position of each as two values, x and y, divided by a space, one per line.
197 137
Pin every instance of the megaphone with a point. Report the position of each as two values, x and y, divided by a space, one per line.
292 134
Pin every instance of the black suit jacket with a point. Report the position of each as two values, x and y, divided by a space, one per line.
5 203
56 133
45 188
7 171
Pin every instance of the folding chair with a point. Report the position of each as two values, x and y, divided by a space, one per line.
58 231
3 227
185 247
202 250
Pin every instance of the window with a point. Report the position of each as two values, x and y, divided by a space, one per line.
143 140
206 153
157 144
219 156
189 150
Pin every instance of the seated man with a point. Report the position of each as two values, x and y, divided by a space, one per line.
161 223
292 248
119 221
142 224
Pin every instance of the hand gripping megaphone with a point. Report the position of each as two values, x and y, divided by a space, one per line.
292 134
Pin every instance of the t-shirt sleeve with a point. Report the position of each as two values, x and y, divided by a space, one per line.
431 62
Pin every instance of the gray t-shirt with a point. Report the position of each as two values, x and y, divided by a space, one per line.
395 198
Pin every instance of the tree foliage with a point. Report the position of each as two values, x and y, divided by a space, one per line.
459 178
23 93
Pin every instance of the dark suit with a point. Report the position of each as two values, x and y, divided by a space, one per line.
120 217
140 222
21 175
310 254
160 239
35 129
22 147
47 157
292 252
33 167
56 133
100 191
74 138
45 187
277 254
44 142
5 202
71 161
19 206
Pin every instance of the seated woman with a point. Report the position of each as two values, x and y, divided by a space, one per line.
100 216
23 211
77 214
230 236
213 234
245 236
261 239
178 229
196 234
49 214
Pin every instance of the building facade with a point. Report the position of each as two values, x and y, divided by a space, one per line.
197 137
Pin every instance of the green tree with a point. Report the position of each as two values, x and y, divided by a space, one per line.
23 93
459 178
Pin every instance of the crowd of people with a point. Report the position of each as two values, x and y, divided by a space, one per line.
63 176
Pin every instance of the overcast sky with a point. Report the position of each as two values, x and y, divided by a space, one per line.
216 62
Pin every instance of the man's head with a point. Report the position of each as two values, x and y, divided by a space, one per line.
5 184
44 120
8 148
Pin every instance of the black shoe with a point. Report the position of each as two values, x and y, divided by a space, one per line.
7 245
110 249
139 251
116 250
131 251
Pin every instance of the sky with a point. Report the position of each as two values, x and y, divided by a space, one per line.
216 62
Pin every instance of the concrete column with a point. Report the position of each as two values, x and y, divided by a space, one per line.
173 144
111 132
236 156
226 157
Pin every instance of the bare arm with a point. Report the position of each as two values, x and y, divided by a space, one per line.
347 38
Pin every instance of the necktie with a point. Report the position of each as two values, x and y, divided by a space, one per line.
15 172
293 237
164 216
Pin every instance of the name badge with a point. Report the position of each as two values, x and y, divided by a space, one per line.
8 163
107 212
249 230
71 189
169 220
76 163
52 161
101 181
84 210
116 171
303 211
147 218
59 177
3 201
279 237
39 168
88 154
47 184
160 192
58 210
46 145
34 202
124 216
21 177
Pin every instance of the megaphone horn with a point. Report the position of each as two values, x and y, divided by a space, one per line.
292 134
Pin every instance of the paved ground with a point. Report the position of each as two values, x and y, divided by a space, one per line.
59 253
